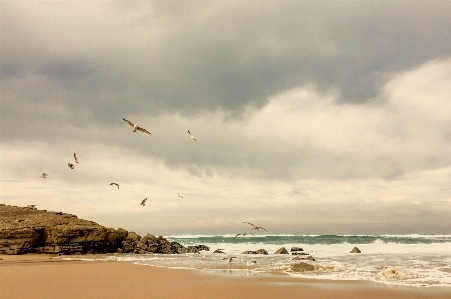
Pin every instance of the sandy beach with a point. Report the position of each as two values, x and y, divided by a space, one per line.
44 276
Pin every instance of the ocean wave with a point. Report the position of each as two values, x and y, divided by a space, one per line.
393 273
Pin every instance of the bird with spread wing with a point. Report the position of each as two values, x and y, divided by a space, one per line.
255 227
136 127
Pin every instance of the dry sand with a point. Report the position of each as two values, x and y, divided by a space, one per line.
42 276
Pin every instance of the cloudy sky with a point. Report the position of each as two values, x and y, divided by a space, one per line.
310 117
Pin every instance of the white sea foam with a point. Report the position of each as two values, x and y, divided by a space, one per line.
417 264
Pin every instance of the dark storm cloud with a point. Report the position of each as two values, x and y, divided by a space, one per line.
207 55
69 69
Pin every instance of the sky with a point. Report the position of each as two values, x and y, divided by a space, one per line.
311 117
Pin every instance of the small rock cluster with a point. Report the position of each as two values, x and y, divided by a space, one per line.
260 251
133 243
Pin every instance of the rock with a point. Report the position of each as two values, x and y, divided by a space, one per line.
302 267
299 253
130 242
355 250
218 251
203 247
281 250
26 229
297 249
298 258
260 251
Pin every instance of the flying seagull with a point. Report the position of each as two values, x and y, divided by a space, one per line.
250 263
70 165
143 203
229 258
75 158
180 195
136 127
243 234
115 184
191 135
44 175
255 227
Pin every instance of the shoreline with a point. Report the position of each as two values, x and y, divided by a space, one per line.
42 276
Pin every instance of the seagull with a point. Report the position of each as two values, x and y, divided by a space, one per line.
179 195
191 135
44 175
250 263
75 158
243 234
115 184
255 227
143 203
135 127
70 165
229 258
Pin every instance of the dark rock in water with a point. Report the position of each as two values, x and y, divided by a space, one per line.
281 250
218 251
355 250
302 267
194 249
299 253
40 231
298 258
297 249
260 251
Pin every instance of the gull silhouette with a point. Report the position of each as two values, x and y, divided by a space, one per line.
229 258
243 234
255 227
191 135
136 127
115 184
143 203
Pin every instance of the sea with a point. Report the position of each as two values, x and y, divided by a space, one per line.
410 260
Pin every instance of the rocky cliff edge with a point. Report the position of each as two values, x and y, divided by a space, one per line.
29 230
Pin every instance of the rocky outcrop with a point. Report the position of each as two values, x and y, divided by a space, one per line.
260 251
310 258
355 250
297 249
27 229
302 267
151 244
299 253
281 250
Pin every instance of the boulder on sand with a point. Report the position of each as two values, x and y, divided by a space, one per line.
355 250
281 250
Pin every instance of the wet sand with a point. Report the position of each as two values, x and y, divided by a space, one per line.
44 276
